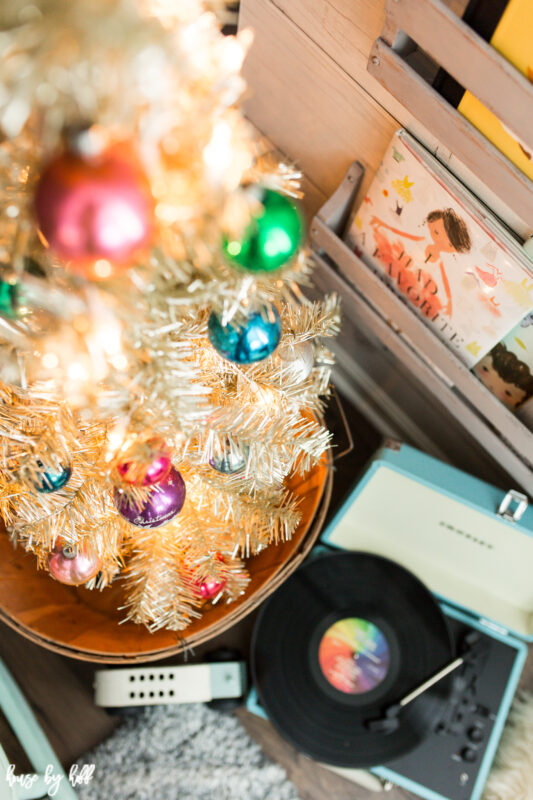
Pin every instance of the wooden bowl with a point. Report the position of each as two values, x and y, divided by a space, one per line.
85 624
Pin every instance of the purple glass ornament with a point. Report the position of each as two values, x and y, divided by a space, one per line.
165 501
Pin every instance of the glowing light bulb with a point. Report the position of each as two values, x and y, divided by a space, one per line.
77 372
50 360
218 153
102 268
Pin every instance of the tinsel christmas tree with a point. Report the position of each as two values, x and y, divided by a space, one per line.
162 373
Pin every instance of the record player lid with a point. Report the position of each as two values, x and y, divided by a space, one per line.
449 529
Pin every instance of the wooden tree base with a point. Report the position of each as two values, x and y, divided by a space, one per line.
85 624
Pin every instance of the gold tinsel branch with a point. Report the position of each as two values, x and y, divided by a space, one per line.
156 594
132 353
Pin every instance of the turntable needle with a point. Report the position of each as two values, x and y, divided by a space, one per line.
389 721
431 681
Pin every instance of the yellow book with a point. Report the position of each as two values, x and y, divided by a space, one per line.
513 38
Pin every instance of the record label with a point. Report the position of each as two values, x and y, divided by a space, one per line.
354 655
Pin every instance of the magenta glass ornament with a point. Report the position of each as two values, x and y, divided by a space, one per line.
94 208
211 587
165 501
70 565
157 469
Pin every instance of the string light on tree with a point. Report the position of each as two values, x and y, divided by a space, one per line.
298 359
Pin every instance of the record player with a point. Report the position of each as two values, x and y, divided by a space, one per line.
411 523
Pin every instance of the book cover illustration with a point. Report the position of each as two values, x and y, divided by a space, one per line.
507 370
425 236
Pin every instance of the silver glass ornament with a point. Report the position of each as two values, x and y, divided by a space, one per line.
298 359
231 459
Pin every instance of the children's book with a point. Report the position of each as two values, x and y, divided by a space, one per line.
507 370
441 250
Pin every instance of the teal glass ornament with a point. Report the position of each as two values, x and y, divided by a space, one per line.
249 341
52 480
271 239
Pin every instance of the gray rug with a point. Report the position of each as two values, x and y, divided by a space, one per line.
183 752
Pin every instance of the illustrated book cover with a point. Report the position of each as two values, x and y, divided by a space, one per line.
507 370
442 251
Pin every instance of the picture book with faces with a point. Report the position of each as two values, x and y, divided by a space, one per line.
429 238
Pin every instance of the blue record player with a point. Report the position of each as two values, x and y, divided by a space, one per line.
472 545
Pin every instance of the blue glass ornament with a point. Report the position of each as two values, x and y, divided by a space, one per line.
247 342
52 481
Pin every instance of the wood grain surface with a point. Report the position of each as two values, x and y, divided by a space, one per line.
312 95
306 103
62 703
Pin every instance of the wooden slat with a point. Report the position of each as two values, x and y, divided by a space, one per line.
457 134
306 104
313 198
345 30
339 31
472 61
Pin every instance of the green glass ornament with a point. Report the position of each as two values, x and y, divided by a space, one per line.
271 239
9 299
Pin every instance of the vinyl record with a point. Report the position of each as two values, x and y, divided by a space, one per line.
343 638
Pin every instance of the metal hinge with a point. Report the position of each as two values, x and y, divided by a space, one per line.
487 623
517 513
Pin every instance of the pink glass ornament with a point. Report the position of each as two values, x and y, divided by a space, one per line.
70 565
211 587
94 208
157 469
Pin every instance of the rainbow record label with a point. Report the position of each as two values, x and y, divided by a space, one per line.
354 656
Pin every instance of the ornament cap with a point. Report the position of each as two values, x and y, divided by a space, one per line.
84 140
69 551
